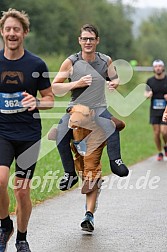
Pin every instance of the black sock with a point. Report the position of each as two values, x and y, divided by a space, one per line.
7 223
21 236
88 212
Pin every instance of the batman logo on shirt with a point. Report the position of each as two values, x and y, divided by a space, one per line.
9 77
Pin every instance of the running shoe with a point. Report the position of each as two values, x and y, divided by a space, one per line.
4 238
88 222
22 246
160 156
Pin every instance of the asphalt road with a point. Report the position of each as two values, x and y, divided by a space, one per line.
131 217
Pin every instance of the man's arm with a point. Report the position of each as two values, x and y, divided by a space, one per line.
47 99
148 92
113 81
45 102
58 85
164 117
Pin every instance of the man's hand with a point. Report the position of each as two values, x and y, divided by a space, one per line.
112 85
165 97
29 101
84 81
148 94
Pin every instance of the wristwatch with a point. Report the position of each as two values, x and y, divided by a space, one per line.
37 102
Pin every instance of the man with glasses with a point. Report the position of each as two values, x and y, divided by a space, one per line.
87 72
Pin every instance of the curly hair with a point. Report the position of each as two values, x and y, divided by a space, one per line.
22 16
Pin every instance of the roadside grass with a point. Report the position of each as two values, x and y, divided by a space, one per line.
136 145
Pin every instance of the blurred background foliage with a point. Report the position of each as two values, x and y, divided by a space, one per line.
55 27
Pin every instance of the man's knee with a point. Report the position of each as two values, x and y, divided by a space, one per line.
3 185
22 189
120 125
4 176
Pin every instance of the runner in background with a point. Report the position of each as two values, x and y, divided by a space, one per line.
156 90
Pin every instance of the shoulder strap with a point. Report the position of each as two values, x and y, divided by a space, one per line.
75 57
103 57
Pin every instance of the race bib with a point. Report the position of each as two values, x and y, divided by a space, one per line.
10 103
81 147
159 104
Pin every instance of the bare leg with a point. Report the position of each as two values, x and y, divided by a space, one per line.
157 139
88 222
6 227
4 197
164 133
91 200
24 205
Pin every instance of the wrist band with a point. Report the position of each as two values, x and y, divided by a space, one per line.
112 78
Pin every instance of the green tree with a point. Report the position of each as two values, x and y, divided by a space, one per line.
4 5
55 25
115 30
151 43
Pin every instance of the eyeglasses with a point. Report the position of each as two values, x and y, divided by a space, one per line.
85 39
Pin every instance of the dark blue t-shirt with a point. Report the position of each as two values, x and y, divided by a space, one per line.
24 74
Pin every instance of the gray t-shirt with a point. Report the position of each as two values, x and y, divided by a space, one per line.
93 95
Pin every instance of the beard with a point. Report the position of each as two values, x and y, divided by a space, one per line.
159 72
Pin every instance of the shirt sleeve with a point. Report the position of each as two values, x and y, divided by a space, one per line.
43 80
148 88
